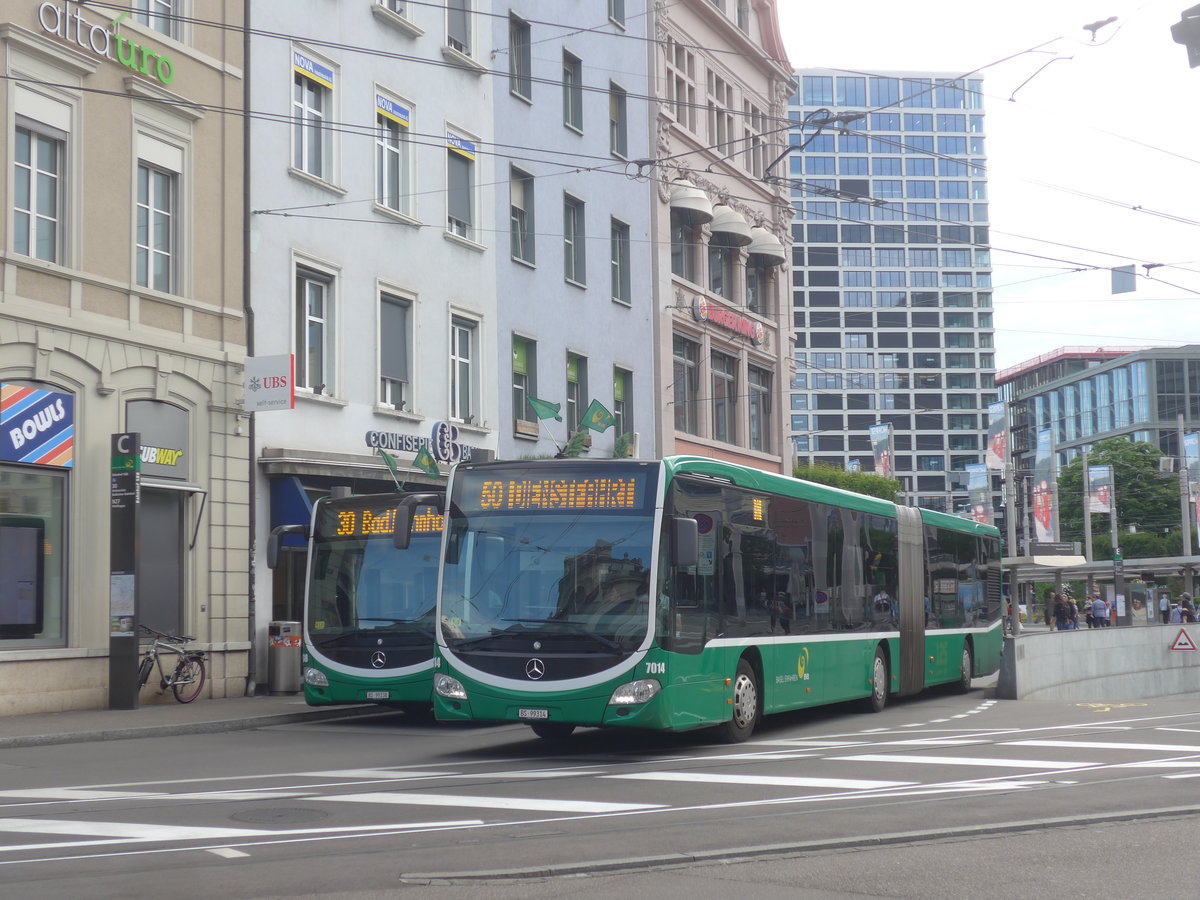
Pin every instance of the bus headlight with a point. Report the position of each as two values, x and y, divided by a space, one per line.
642 691
315 677
450 688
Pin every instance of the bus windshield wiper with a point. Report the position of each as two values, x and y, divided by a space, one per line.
409 624
574 627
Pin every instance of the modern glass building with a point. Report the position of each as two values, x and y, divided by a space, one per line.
891 275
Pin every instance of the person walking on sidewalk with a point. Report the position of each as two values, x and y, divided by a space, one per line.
1100 612
1164 607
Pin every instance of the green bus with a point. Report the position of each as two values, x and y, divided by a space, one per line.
368 607
688 593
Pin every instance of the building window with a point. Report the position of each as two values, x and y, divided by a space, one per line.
619 251
524 375
616 12
720 270
743 15
759 381
159 15
312 111
618 124
33 546
520 191
681 84
394 331
393 167
572 91
156 227
399 7
724 397
574 235
720 113
683 245
576 390
754 126
686 384
38 191
458 25
314 330
622 395
463 349
460 186
520 62
758 287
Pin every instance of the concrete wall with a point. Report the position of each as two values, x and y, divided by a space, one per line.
1101 664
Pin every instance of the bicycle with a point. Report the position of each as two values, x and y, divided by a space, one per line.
187 679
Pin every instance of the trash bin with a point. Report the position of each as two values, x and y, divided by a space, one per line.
283 657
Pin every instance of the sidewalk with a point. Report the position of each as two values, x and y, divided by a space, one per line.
158 719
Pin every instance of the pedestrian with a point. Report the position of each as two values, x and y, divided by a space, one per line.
1087 610
1063 619
1176 614
1100 612
1187 612
1164 607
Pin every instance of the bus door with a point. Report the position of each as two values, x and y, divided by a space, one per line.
911 539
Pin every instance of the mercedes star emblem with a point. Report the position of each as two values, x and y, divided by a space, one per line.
535 669
378 659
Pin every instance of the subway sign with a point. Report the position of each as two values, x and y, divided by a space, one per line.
65 20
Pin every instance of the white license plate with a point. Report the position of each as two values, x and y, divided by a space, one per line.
378 695
533 713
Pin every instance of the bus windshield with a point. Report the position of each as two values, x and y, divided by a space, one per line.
561 553
360 584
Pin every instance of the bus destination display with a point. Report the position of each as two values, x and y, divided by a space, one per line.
572 493
367 521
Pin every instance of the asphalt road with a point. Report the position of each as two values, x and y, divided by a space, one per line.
941 796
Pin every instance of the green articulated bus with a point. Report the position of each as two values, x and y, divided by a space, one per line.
689 593
368 607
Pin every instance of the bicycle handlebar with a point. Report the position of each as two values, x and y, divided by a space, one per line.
170 638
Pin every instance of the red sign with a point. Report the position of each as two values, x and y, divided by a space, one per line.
704 310
1183 641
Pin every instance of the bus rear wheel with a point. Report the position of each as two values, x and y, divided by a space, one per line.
552 731
879 681
745 705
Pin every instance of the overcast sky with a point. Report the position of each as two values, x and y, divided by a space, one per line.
1093 162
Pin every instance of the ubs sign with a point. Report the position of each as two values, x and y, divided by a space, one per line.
64 20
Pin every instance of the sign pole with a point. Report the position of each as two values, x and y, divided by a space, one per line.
1126 617
125 501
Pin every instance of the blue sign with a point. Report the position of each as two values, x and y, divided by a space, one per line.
36 427
310 68
390 109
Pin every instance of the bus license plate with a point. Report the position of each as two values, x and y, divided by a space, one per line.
533 713
378 695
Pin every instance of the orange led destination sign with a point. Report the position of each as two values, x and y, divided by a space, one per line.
581 493
365 522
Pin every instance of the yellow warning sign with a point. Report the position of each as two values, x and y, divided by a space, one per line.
1183 641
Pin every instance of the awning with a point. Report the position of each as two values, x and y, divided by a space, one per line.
688 198
765 245
728 227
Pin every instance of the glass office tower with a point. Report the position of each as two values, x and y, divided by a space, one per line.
891 296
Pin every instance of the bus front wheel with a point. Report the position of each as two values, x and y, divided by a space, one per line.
745 705
963 684
879 681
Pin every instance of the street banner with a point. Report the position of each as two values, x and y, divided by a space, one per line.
270 383
1099 489
881 448
1045 516
1191 459
997 436
978 491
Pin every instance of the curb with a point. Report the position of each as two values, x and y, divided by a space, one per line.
213 726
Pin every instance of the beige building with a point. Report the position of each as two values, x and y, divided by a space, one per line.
121 310
722 231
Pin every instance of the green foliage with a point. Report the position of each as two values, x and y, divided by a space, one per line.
1146 499
575 444
621 447
859 482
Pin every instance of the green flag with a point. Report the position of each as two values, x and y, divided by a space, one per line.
597 418
391 464
544 409
426 463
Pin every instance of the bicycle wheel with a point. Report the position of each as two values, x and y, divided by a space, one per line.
188 679
144 671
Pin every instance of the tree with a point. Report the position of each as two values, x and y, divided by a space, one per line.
859 482
1146 499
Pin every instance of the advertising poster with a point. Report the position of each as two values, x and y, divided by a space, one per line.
1045 516
997 436
881 448
978 491
1099 489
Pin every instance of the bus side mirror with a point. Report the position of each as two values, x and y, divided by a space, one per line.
275 541
404 514
685 542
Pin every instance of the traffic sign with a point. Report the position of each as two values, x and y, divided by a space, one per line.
1183 641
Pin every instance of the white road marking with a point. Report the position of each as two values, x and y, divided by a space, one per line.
765 780
523 803
1187 775
376 774
227 852
129 830
933 742
1160 764
968 761
1108 745
71 794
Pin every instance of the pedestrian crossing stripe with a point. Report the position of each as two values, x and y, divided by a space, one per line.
1183 641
